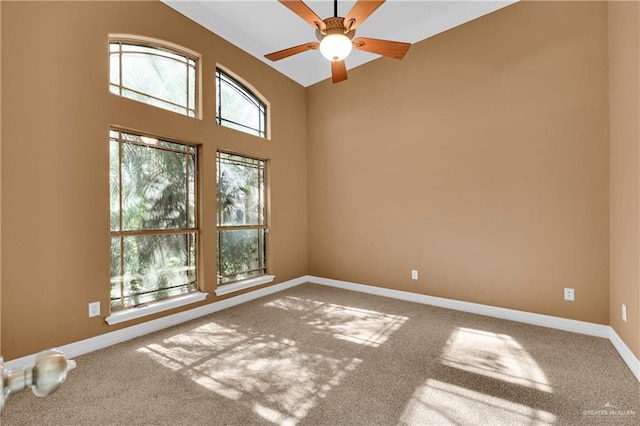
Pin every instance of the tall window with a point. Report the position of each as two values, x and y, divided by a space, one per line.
153 219
238 107
242 224
154 75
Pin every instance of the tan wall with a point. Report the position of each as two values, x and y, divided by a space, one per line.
624 27
481 160
56 112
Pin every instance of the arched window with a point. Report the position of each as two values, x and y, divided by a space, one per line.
238 107
153 74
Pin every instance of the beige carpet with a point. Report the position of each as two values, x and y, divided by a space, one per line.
315 355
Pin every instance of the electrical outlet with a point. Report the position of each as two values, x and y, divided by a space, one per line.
569 294
414 274
624 312
94 309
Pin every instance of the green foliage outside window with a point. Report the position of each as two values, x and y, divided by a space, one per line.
241 218
153 219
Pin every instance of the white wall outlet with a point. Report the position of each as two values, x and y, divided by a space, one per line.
624 312
414 274
569 294
94 309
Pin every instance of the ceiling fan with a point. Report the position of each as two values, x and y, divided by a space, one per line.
335 36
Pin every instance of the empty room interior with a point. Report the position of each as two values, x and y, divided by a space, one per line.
449 238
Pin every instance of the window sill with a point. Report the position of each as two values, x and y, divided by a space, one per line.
154 308
241 285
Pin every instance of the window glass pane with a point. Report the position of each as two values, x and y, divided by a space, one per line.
157 143
193 253
241 128
155 267
238 108
151 50
152 101
114 71
241 254
240 190
154 188
115 262
154 76
192 191
114 183
192 85
157 76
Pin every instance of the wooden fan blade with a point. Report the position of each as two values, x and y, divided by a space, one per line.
302 10
360 12
285 53
392 49
338 71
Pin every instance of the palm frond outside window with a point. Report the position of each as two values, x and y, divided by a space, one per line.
154 229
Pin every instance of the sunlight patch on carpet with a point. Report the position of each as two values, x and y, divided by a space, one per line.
441 403
291 303
365 327
183 350
277 379
274 377
493 355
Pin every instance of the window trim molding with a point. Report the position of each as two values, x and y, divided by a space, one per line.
223 289
150 308
166 45
254 91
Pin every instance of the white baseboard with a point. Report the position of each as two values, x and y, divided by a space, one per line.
98 342
626 354
581 327
102 341
474 308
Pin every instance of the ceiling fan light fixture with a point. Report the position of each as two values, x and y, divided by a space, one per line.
335 46
335 36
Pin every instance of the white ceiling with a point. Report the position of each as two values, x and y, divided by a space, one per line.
263 26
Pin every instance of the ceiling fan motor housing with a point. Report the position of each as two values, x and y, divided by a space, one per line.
334 25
